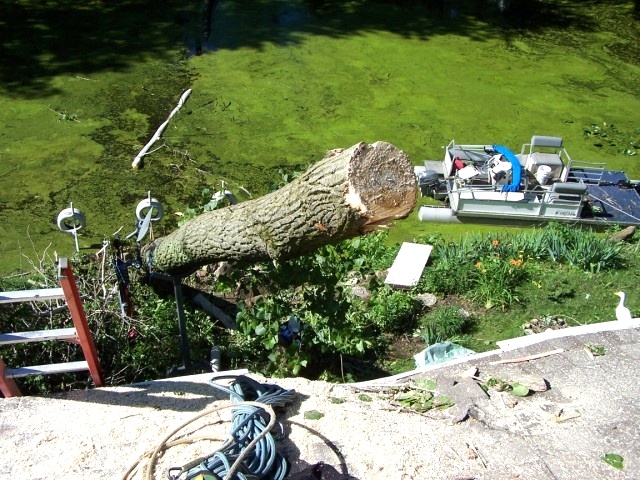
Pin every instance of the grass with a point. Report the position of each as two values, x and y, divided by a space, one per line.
562 291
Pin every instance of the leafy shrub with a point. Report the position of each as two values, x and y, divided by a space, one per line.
451 271
441 324
316 290
392 310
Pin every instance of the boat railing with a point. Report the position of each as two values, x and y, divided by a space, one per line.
559 193
487 192
585 172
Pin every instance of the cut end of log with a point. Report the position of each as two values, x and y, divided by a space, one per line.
382 184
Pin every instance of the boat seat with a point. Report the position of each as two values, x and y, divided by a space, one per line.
543 150
569 187
543 141
566 192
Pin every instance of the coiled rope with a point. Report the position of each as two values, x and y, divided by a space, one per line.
249 452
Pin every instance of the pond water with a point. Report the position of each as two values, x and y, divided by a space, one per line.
278 84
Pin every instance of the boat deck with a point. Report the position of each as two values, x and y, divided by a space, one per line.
611 203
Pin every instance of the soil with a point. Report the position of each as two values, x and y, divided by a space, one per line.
403 348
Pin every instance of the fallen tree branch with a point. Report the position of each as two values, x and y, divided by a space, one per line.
214 311
136 161
529 357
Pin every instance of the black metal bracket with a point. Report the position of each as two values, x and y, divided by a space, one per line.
185 351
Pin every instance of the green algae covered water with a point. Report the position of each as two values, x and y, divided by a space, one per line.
276 85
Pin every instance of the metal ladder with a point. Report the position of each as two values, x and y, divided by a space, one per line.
79 333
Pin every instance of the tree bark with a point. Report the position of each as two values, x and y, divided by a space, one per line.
348 193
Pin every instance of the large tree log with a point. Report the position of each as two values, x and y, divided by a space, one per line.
348 193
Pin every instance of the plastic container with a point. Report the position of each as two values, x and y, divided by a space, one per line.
543 173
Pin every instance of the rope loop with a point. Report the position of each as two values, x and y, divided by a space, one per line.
249 453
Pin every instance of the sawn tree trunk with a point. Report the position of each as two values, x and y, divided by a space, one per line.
348 193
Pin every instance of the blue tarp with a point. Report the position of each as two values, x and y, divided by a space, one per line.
516 170
439 353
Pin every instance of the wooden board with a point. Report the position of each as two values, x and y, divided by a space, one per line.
409 264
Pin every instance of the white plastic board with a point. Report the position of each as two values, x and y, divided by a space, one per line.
409 264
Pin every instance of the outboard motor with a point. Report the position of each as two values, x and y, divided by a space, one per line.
500 170
429 183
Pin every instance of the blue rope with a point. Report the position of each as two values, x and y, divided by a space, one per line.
248 423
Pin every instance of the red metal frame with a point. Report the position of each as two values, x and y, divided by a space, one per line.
70 289
8 386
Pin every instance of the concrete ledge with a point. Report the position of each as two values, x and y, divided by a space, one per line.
507 346
527 340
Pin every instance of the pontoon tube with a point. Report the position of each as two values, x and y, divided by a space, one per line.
437 214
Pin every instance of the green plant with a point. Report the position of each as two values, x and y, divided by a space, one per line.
581 248
392 310
451 270
442 324
422 397
316 289
286 176
208 201
515 389
608 135
615 460
497 279
260 331
595 350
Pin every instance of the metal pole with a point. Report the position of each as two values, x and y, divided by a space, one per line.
182 322
75 227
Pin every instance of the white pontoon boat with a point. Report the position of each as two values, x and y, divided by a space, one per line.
489 184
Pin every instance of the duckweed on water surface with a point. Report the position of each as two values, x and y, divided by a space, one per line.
277 85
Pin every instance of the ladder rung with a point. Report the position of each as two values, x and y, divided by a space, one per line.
31 295
39 336
46 369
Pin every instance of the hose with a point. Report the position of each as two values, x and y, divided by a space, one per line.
248 453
